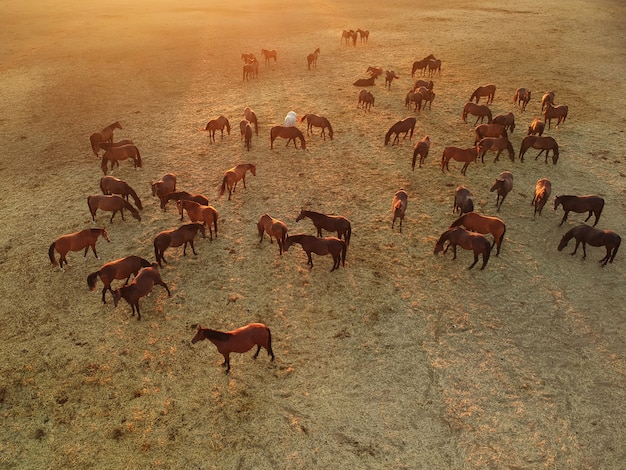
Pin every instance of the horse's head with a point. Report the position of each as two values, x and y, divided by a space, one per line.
105 234
563 242
199 336
134 212
557 202
498 183
202 230
301 216
288 243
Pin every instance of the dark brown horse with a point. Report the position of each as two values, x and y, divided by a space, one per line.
458 236
232 177
543 188
489 130
105 135
421 65
366 100
240 340
495 144
589 203
481 112
217 124
370 81
275 229
122 268
415 98
594 237
363 35
378 71
398 207
507 120
434 65
313 120
428 84
487 91
346 35
555 112
503 184
428 96
390 75
406 125
422 147
116 154
251 69
167 184
463 202
330 223
199 213
544 144
140 287
112 203
522 97
467 156
75 242
247 135
311 59
287 132
483 224
250 116
182 235
547 100
536 127
112 185
268 55
320 246
178 195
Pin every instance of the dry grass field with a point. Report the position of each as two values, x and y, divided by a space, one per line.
400 359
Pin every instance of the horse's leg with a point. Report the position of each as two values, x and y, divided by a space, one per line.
310 259
256 354
104 289
497 156
584 249
575 248
589 216
475 260
564 217
193 249
453 250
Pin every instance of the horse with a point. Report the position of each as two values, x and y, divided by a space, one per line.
105 135
462 200
275 229
423 83
406 125
487 91
467 156
585 234
481 112
115 154
536 127
363 35
311 59
182 235
428 96
434 65
346 35
313 120
366 81
240 340
421 65
330 223
503 185
219 123
489 130
414 97
483 224
467 240
246 132
167 184
248 58
374 70
232 177
544 144
422 147
199 213
251 69
495 144
389 76
555 112
543 188
122 268
320 246
366 100
178 195
140 287
289 133
112 185
589 203
250 116
75 242
547 99
290 119
522 95
268 55
398 207
112 203
507 120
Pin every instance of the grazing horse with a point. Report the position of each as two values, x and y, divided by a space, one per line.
507 120
178 195
489 130
544 144
250 116
414 97
287 132
166 185
503 185
366 81
522 95
406 125
589 203
429 84
124 152
176 237
467 156
320 246
389 77
112 203
547 99
543 188
105 135
378 71
481 112
421 65
251 69
483 224
268 55
495 144
398 207
555 112
274 228
219 123
311 59
232 177
330 223
75 242
140 287
585 234
199 213
364 35
122 268
422 147
112 185
467 240
536 127
487 91
313 120
240 340
434 65
428 96
366 100
462 200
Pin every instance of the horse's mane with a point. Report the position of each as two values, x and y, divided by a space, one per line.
215 334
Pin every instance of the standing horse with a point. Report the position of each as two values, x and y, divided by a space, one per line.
289 133
462 200
481 112
543 188
547 99
489 130
555 112
112 203
140 287
428 96
522 96
585 234
346 35
219 123
495 144
178 195
398 207
422 147
75 242
466 240
406 125
122 268
483 224
247 134
330 223
274 228
487 91
176 237
421 65
232 177
112 185
434 65
428 84
313 120
544 144
105 135
311 59
590 203
268 55
252 119
503 185
366 100
536 127
167 184
415 98
240 340
199 213
507 120
320 246
364 35
251 69
124 152
467 156
389 77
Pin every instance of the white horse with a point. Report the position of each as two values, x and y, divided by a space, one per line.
290 119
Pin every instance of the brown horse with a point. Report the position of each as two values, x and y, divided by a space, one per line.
421 65
232 177
178 195
466 240
116 154
467 156
268 55
483 224
555 112
363 35
489 130
330 223
250 116
495 144
536 127
434 65
522 97
112 185
585 234
429 84
346 35
247 134
105 135
463 202
543 188
390 75
589 203
112 203
366 100
140 287
240 340
287 132
398 207
251 69
547 100
487 91
320 246
371 81
428 96
219 123
481 112
275 229
422 147
248 58
122 268
75 242
544 144
378 71
415 98
182 235
507 120
311 59
167 184
503 185
406 125
313 120
199 213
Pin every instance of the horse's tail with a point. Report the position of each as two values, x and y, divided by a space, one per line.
92 279
223 188
487 254
458 222
301 119
348 235
138 158
270 352
51 253
344 250
156 252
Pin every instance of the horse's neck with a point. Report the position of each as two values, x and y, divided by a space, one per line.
214 335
